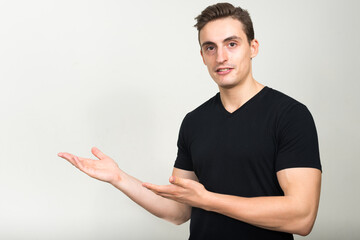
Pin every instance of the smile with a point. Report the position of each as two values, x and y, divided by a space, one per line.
222 71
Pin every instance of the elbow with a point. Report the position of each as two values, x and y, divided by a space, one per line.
177 215
305 225
304 232
180 221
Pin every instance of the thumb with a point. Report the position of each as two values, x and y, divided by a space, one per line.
177 181
98 153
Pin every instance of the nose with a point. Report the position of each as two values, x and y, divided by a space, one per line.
221 55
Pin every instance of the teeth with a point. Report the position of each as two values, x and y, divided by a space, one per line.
223 70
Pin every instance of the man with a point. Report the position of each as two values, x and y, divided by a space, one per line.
248 162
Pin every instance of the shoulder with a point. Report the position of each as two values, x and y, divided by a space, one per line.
204 110
280 99
295 132
283 105
291 116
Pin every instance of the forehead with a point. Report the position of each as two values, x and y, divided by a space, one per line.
220 29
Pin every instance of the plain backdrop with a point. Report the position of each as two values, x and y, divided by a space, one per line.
121 75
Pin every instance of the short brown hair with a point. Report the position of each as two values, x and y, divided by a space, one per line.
222 10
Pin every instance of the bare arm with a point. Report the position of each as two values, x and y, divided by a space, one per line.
295 212
106 169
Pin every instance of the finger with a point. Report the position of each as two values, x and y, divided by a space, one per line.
78 162
178 181
97 153
74 160
168 196
162 194
68 157
150 186
159 189
88 162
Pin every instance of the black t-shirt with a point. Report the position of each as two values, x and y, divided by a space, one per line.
239 154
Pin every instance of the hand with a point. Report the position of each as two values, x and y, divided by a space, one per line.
182 190
104 169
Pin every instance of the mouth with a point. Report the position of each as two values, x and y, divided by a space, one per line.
223 71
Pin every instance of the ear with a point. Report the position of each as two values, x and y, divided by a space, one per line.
254 47
202 56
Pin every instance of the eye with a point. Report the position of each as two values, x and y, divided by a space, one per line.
210 48
232 44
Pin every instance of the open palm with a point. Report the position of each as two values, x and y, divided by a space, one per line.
104 169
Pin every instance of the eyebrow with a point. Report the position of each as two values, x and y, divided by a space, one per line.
225 40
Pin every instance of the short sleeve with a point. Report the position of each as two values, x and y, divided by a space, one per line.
183 159
297 140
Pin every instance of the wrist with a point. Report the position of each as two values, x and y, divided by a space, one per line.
207 200
117 179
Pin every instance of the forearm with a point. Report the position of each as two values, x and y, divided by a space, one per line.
283 213
295 212
167 209
106 169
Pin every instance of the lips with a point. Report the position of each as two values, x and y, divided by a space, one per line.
222 71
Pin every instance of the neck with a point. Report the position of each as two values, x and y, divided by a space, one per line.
234 97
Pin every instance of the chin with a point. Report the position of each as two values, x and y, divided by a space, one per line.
226 85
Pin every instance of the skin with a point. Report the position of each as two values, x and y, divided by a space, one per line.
106 169
223 46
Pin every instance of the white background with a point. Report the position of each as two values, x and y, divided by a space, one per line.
121 75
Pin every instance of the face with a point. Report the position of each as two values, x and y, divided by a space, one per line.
226 52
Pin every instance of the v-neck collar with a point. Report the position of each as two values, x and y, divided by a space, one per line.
229 114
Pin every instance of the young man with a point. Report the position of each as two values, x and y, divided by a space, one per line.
248 162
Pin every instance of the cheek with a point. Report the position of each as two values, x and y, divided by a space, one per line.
209 63
243 60
241 54
210 70
207 60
